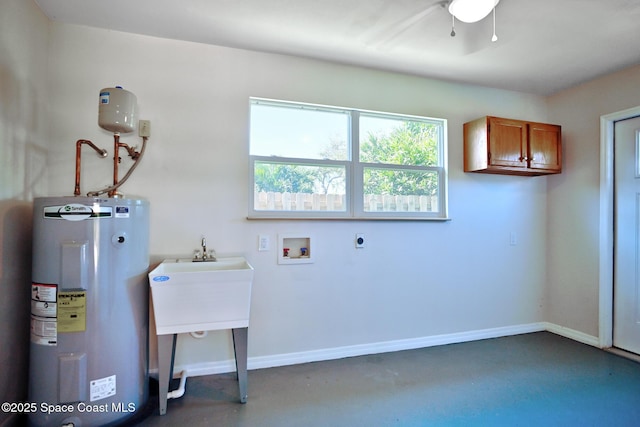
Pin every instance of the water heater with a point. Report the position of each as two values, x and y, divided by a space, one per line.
89 311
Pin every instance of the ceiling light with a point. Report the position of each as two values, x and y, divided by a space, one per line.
471 10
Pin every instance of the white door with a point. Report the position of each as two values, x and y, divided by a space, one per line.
626 305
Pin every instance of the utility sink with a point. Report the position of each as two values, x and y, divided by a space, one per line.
201 296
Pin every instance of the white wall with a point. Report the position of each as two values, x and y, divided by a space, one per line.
574 197
23 61
414 279
23 64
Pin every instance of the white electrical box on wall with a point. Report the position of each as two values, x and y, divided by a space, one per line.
295 248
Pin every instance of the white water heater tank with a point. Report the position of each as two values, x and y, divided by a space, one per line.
89 355
117 110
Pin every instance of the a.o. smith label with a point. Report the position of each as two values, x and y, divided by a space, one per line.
77 212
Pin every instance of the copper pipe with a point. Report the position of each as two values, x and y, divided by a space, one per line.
101 152
116 159
130 150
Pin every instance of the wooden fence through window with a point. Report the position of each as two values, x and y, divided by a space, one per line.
273 201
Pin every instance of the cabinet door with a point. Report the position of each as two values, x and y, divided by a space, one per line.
507 142
545 147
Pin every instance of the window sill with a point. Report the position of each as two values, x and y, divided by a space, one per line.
327 218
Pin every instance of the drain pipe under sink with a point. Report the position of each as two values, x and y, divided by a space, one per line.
179 392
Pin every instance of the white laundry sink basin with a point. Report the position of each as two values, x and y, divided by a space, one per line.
201 296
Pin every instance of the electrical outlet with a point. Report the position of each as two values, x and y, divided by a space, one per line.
144 128
263 243
359 240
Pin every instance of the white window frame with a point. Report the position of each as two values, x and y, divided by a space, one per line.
354 171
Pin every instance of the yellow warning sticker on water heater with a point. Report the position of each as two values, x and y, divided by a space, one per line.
72 311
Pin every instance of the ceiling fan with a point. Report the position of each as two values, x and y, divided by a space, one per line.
472 11
468 11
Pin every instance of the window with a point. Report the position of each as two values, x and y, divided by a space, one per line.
314 161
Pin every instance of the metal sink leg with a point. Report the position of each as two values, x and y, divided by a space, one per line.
240 338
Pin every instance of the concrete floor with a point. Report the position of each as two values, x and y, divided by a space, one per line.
538 379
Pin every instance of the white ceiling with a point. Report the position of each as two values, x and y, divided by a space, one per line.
543 45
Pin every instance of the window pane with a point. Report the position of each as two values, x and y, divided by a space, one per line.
399 142
301 132
317 161
389 190
290 187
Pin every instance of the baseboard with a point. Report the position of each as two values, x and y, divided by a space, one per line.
261 362
573 334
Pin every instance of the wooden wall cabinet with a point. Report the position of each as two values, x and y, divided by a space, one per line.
512 147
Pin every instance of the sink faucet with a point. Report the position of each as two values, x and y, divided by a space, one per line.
206 255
